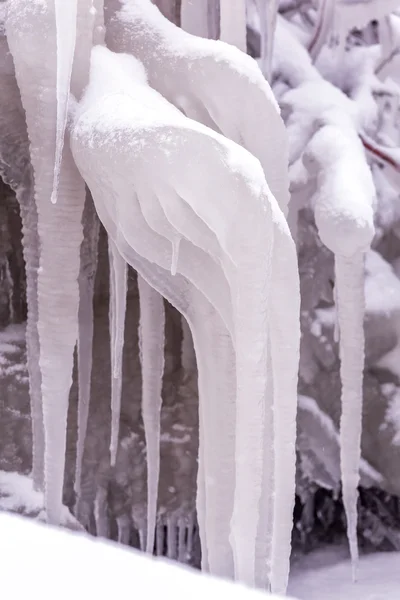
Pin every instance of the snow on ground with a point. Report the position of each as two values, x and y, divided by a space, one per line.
326 575
38 561
17 495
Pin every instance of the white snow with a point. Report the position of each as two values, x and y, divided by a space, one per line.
95 568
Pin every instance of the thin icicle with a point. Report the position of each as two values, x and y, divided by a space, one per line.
89 254
118 291
190 536
124 529
233 23
182 550
194 17
101 513
172 538
160 539
66 29
151 342
268 11
188 355
350 295
142 539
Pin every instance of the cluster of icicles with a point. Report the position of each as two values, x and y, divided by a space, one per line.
163 127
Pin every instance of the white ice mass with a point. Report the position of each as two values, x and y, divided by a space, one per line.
175 145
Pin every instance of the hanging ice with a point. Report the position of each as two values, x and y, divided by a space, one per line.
233 23
88 268
66 31
252 253
344 216
151 340
118 291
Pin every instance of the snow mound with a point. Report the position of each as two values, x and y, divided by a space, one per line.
97 569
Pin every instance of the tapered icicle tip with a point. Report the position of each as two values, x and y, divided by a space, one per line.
350 307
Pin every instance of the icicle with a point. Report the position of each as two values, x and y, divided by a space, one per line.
233 23
60 230
124 529
31 257
160 539
350 295
268 11
190 536
118 291
217 390
188 356
266 512
151 342
175 255
284 346
14 158
171 538
182 550
142 539
101 513
194 17
66 30
89 254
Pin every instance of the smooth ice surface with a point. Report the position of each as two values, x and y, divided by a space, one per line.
151 345
100 569
66 29
117 314
233 23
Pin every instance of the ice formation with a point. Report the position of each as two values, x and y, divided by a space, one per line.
344 217
66 15
88 267
233 23
117 312
151 340
270 240
202 222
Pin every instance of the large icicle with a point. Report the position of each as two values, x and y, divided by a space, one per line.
233 23
118 292
66 29
151 343
349 274
245 221
33 44
87 274
16 172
